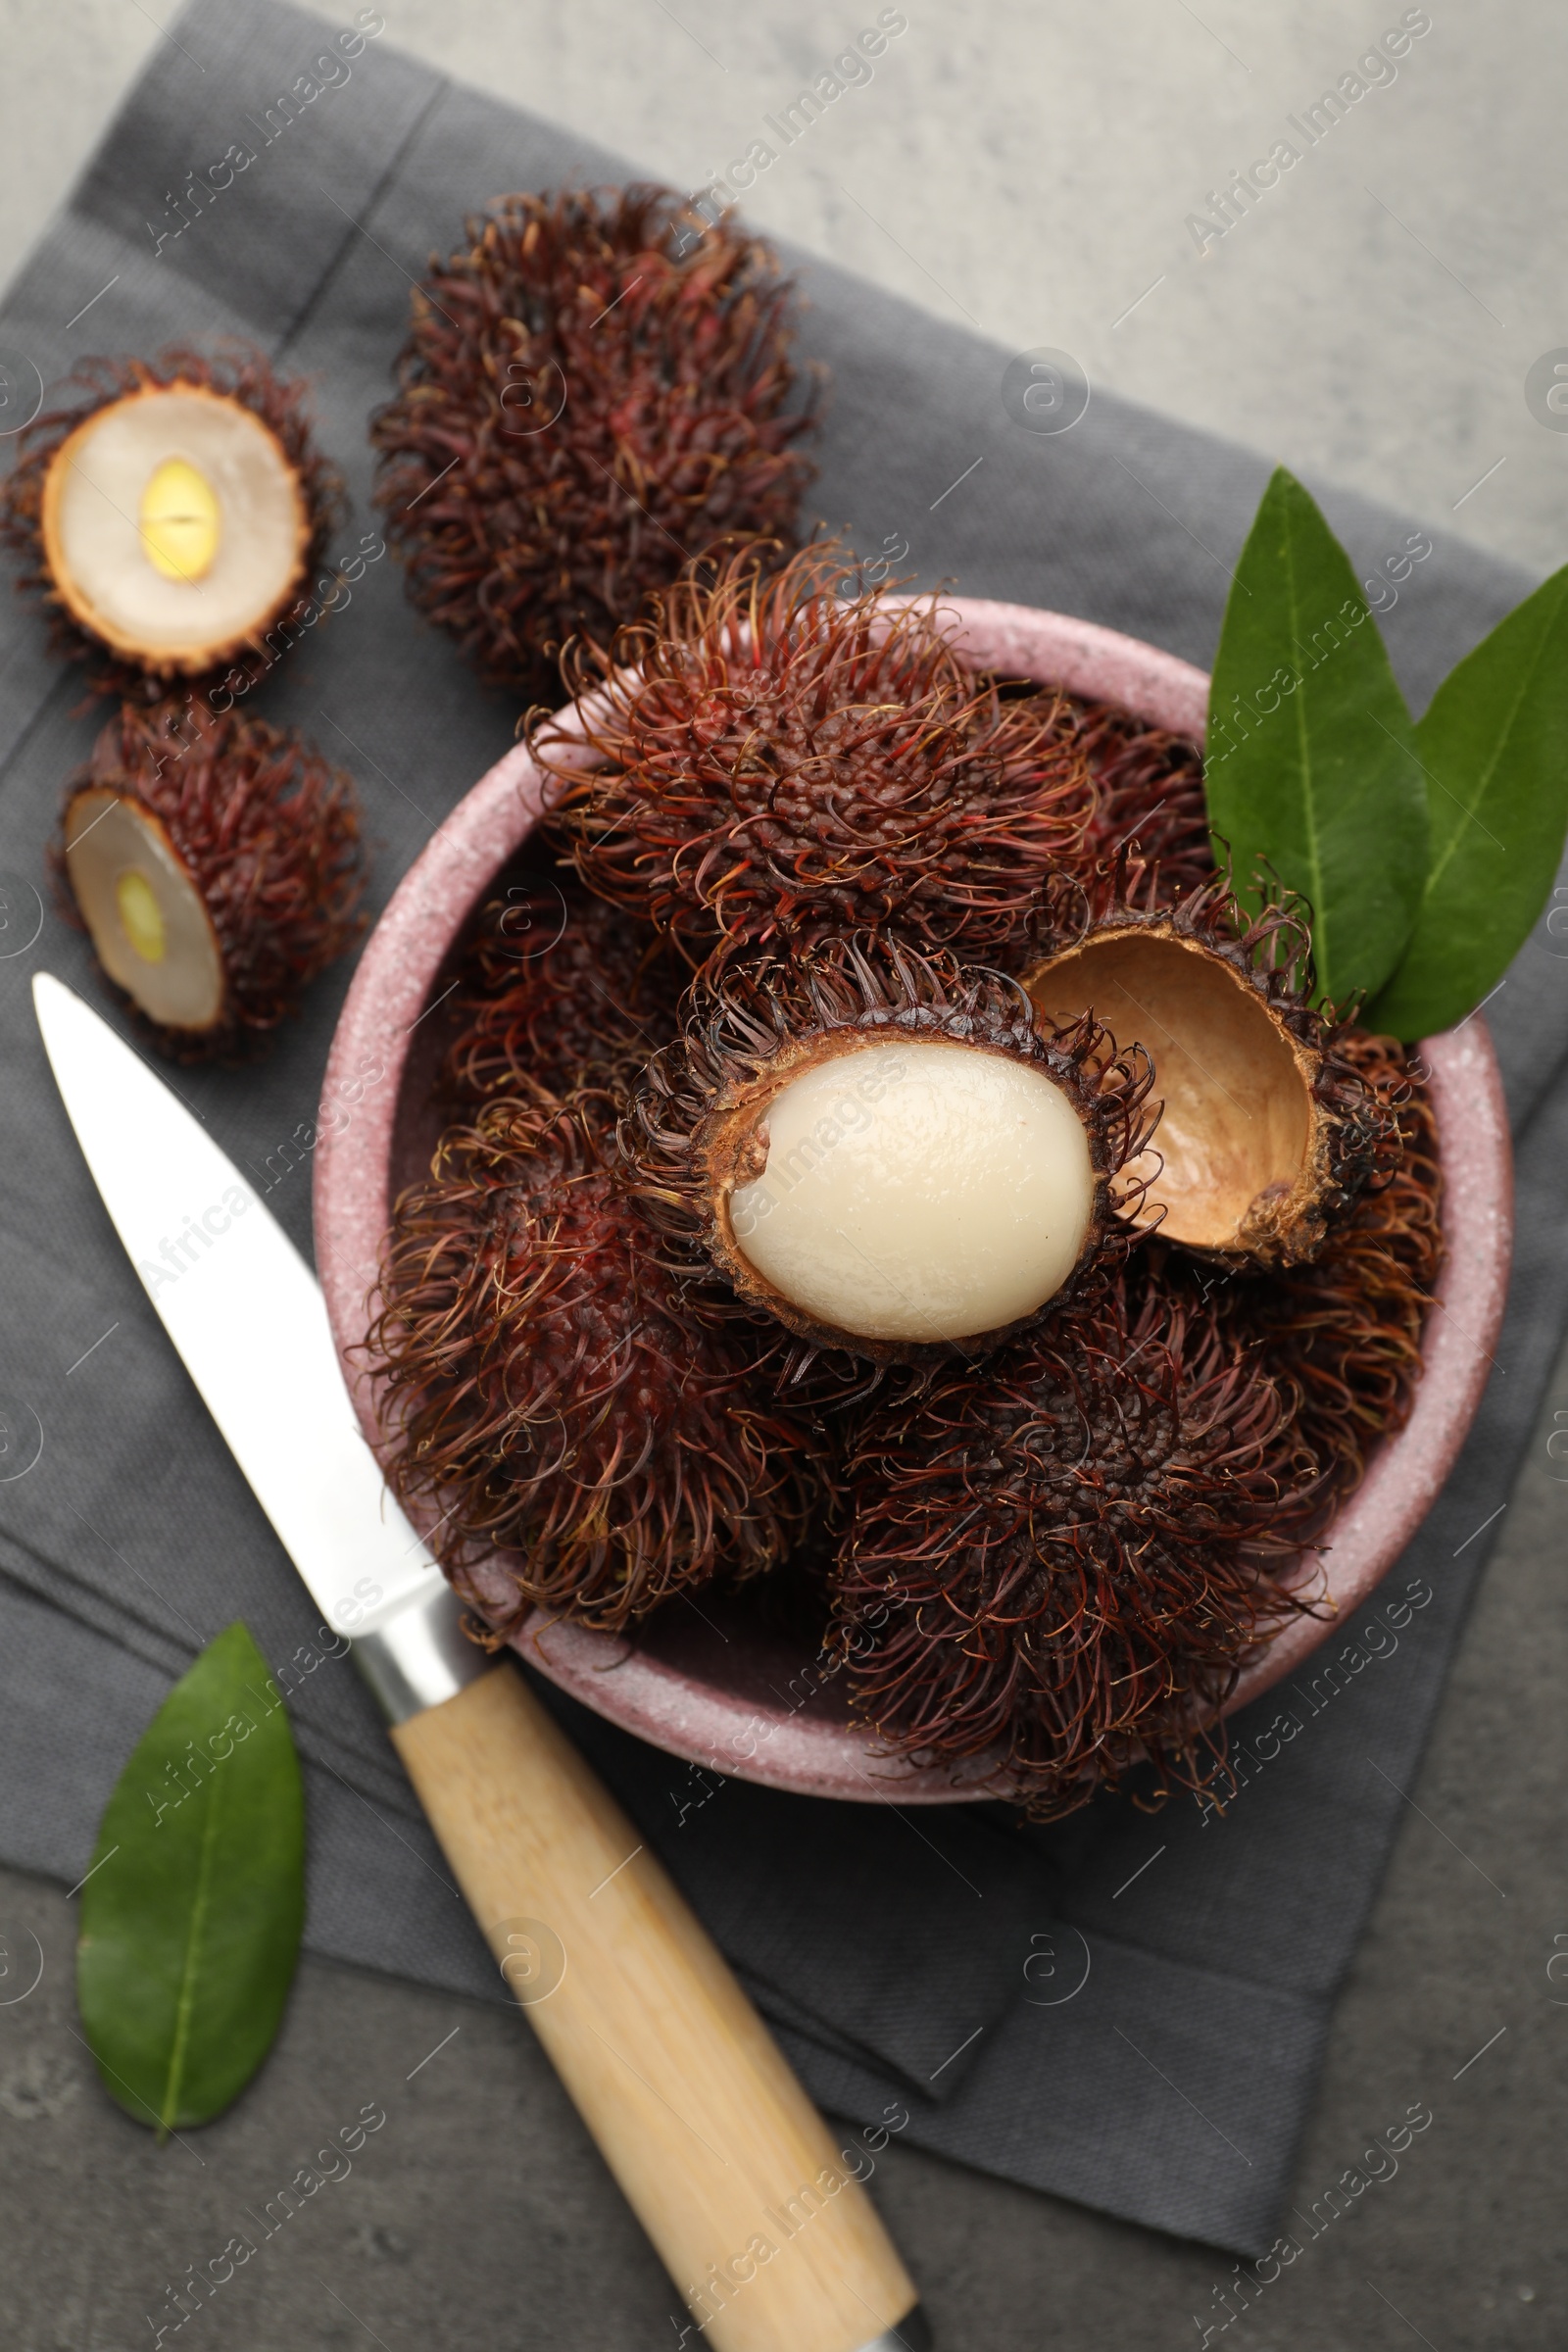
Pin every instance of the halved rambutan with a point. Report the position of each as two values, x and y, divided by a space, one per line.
1057 1564
777 762
1268 1133
1346 1329
882 1152
215 864
592 394
556 990
170 514
559 1399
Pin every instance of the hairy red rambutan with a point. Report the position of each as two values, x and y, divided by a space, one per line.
217 865
1055 1565
1150 798
98 505
593 394
556 990
560 1397
779 761
882 1152
1268 1132
1346 1328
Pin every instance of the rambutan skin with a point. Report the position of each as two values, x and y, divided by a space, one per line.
235 370
1150 798
779 762
560 1400
556 990
1345 1329
591 395
269 831
1057 1564
752 1025
1352 1136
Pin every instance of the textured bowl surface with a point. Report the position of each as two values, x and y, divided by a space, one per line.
709 1683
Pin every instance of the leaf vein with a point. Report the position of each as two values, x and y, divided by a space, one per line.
169 2105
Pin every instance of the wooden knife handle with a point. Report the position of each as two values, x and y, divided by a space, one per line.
774 2243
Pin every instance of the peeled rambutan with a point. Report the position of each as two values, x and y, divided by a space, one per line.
562 1401
1057 1565
592 395
168 515
215 864
779 762
556 990
1346 1328
881 1152
1268 1132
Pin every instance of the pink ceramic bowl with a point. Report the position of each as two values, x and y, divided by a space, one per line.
706 1682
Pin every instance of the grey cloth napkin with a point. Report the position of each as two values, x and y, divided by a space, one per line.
1127 2010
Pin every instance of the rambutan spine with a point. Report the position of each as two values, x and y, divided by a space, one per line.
779 763
576 1425
590 397
267 834
1055 1570
559 990
1345 1329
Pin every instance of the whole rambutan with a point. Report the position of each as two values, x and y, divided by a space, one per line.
170 513
215 864
1346 1330
556 990
1268 1132
882 1152
1055 1565
594 392
779 762
1151 797
560 1401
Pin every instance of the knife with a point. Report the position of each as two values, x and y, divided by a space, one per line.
759 2218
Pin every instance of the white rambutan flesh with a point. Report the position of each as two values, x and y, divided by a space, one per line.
173 524
142 908
920 1189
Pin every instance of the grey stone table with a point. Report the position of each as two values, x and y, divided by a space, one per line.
1033 171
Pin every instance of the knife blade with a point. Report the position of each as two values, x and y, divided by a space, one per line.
216 1263
759 2217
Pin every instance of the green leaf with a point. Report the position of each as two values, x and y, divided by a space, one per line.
191 1914
1310 762
1494 746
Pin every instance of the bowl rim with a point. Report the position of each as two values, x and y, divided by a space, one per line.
783 1747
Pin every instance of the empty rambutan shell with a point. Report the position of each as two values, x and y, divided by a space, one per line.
880 1150
169 516
779 761
1057 1563
556 990
1267 1133
215 864
582 1435
592 394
